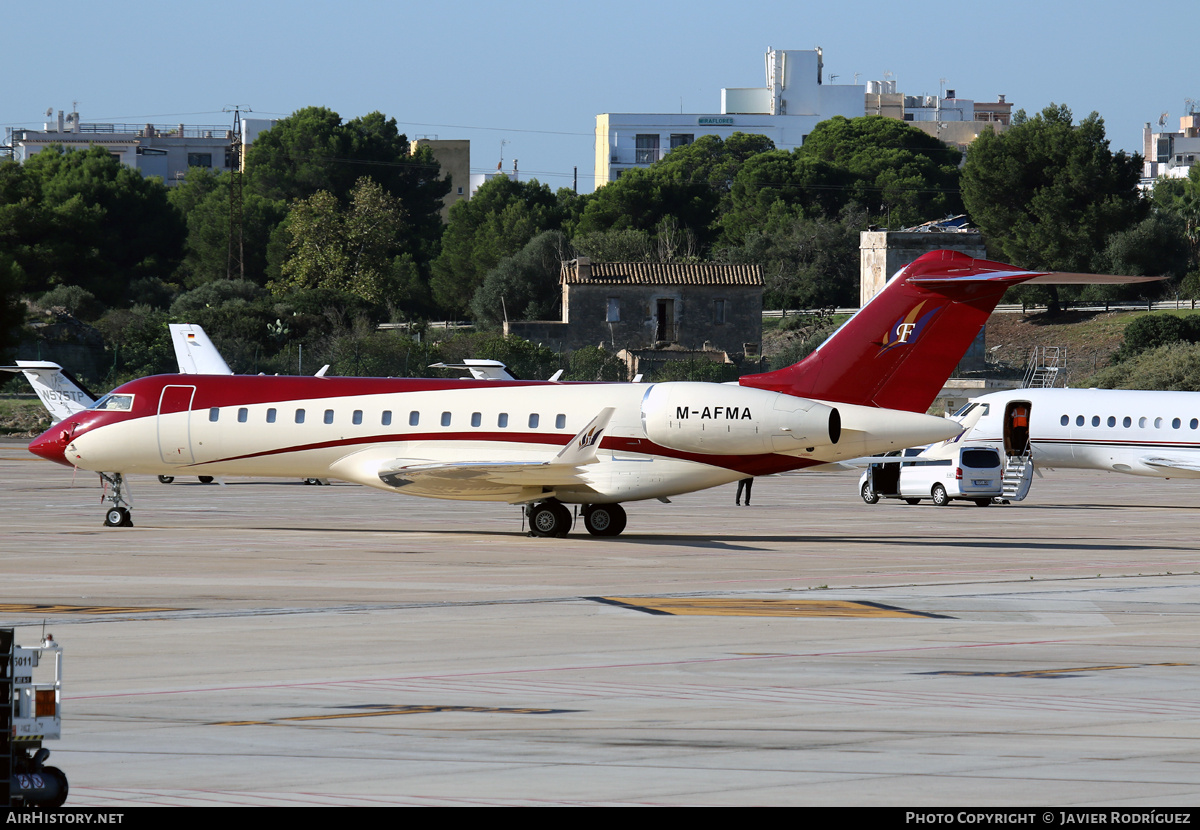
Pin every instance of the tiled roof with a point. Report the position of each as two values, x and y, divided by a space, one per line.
658 273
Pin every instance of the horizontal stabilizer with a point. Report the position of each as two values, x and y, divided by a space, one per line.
898 350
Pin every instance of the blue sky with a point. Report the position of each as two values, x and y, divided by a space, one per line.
535 74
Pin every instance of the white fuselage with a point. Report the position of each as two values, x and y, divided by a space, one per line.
354 436
1134 432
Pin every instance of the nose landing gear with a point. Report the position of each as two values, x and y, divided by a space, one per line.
118 514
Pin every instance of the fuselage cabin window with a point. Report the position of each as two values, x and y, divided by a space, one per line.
1078 420
270 416
214 413
445 419
476 419
560 421
414 418
1066 419
1095 420
357 417
329 416
243 415
386 418
533 421
502 420
299 416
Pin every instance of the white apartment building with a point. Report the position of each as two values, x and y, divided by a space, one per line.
166 151
794 101
1170 154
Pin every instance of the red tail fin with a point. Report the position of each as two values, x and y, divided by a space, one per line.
900 348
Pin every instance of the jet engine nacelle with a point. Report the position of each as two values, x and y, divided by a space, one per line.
720 419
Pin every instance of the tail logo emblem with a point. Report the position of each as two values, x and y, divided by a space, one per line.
593 435
907 328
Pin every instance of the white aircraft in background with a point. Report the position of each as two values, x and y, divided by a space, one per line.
1138 433
57 389
546 444
63 395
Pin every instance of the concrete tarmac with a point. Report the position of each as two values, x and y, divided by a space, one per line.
270 643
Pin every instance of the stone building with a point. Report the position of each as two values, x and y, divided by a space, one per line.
645 305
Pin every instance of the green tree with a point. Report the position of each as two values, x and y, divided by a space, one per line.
1172 368
689 188
1047 193
203 199
80 217
312 150
496 222
352 249
896 171
807 263
12 310
524 286
1180 198
809 187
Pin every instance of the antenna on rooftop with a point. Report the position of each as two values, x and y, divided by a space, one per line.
500 164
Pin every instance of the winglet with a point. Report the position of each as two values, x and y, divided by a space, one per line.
582 448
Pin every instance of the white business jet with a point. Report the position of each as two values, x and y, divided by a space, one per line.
1124 431
546 444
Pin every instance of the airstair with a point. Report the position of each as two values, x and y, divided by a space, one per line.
1046 364
1018 475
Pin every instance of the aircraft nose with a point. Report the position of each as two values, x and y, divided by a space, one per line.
52 444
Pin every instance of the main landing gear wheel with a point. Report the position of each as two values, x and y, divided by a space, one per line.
166 479
206 479
117 517
604 519
867 495
940 497
550 518
912 501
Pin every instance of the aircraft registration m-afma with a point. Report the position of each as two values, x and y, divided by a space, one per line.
546 444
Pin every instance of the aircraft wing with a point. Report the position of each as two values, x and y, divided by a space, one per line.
462 477
1186 465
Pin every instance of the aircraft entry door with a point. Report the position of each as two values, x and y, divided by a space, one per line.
1016 427
174 424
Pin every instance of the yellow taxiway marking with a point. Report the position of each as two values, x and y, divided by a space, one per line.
1050 672
393 710
695 606
32 608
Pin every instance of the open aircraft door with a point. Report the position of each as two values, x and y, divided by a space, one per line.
1018 471
1016 427
174 424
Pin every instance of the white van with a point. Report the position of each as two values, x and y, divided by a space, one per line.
969 473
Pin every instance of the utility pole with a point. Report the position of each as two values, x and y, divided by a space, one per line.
236 264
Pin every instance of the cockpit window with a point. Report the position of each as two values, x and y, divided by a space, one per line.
964 410
114 403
